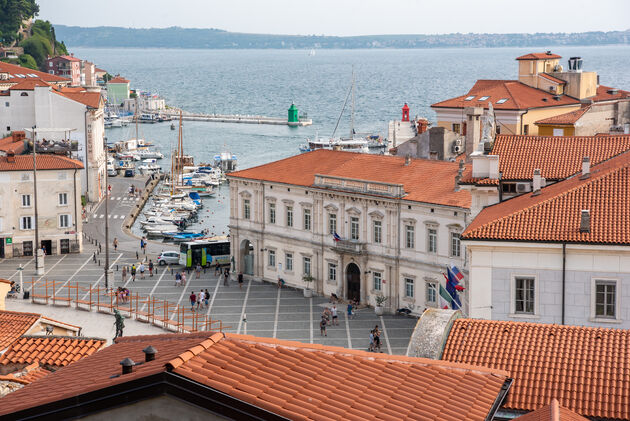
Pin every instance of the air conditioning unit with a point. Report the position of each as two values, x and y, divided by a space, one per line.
457 148
552 88
522 187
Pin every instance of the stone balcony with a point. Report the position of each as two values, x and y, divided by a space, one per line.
349 246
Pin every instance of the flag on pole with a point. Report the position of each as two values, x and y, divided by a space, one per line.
451 288
456 272
336 236
445 298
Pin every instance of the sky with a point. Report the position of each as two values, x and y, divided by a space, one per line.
347 17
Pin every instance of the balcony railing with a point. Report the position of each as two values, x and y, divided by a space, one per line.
349 246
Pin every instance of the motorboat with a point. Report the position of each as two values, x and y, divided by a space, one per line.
226 161
149 169
355 144
148 154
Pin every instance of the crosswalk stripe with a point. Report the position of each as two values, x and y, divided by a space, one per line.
101 216
115 216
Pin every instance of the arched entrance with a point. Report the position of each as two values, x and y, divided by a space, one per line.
247 257
353 282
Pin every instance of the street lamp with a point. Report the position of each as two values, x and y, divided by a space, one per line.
39 254
106 220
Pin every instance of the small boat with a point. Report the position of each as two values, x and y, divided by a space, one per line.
226 161
149 169
186 236
147 154
172 126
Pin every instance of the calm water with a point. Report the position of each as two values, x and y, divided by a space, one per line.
267 81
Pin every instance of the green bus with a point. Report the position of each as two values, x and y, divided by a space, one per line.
205 252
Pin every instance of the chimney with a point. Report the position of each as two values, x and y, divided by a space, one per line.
537 182
149 353
586 167
585 221
433 155
127 365
11 156
407 160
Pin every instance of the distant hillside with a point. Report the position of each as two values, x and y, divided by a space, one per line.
175 37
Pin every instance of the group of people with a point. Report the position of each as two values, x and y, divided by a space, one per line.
199 300
140 268
330 316
122 295
375 340
180 278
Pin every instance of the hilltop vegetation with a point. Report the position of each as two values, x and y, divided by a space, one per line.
42 43
175 37
12 14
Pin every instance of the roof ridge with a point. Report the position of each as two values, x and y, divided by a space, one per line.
194 351
541 325
81 338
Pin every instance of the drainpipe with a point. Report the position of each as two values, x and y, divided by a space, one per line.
526 111
74 192
87 178
564 266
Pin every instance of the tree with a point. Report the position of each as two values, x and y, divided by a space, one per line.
13 13
26 60
107 77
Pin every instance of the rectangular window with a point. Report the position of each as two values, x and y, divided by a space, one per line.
288 261
432 240
526 129
431 293
26 223
409 287
354 228
26 200
377 281
307 219
332 223
558 132
378 231
332 272
289 216
64 221
605 299
410 236
456 127
272 213
271 258
524 295
456 244
246 209
63 199
306 264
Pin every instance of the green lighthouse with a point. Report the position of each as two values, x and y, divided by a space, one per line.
293 115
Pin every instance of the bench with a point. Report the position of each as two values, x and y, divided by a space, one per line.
42 297
64 300
79 303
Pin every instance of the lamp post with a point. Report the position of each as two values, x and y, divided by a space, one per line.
39 254
106 220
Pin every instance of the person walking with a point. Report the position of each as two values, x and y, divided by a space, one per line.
206 296
350 311
178 279
217 269
133 273
200 299
115 244
377 339
322 327
226 278
183 278
141 268
335 316
124 274
198 270
193 300
150 268
371 346
240 280
142 244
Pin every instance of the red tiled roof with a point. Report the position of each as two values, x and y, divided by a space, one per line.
291 379
538 56
552 412
556 157
14 69
603 95
68 58
28 374
44 162
586 369
28 85
13 325
553 78
50 350
118 79
426 181
519 97
554 215
569 118
91 99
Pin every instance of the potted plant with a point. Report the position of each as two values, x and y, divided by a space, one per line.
308 278
378 309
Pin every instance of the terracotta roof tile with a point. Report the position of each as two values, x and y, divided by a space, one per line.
553 78
14 69
27 375
426 181
91 99
56 351
603 94
300 384
44 162
13 325
552 412
519 97
28 84
569 118
556 157
586 369
554 215
118 79
538 56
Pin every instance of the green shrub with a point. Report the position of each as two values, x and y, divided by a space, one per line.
26 60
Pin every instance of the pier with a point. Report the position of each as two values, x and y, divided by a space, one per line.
237 118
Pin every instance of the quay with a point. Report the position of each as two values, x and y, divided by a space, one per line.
294 119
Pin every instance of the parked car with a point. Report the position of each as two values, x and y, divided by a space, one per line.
130 173
168 258
111 172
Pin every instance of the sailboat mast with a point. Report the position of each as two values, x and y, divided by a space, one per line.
136 120
180 149
352 114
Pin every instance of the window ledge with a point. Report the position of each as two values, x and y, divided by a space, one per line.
409 299
524 316
605 320
271 268
331 282
376 292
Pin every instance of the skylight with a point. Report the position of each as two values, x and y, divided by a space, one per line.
32 75
20 75
469 98
502 100
483 98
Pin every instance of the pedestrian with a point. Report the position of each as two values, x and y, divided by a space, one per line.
206 297
335 318
150 268
141 268
183 278
193 299
142 243
322 327
217 269
133 272
334 298
200 299
198 270
371 346
124 273
240 280
226 278
377 339
280 282
326 315
109 189
115 244
178 279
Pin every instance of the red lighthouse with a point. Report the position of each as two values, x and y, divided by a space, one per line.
405 112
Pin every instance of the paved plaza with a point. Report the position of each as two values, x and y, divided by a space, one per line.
259 308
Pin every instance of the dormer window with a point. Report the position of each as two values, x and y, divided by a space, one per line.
469 98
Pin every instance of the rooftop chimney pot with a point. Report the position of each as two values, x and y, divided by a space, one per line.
537 181
585 221
586 167
127 365
149 353
407 160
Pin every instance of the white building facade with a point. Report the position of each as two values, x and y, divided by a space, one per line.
390 245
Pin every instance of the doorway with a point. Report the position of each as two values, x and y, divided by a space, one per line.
47 246
247 257
353 279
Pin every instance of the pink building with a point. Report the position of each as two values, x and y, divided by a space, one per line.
65 66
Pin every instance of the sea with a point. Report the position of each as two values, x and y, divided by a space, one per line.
266 82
